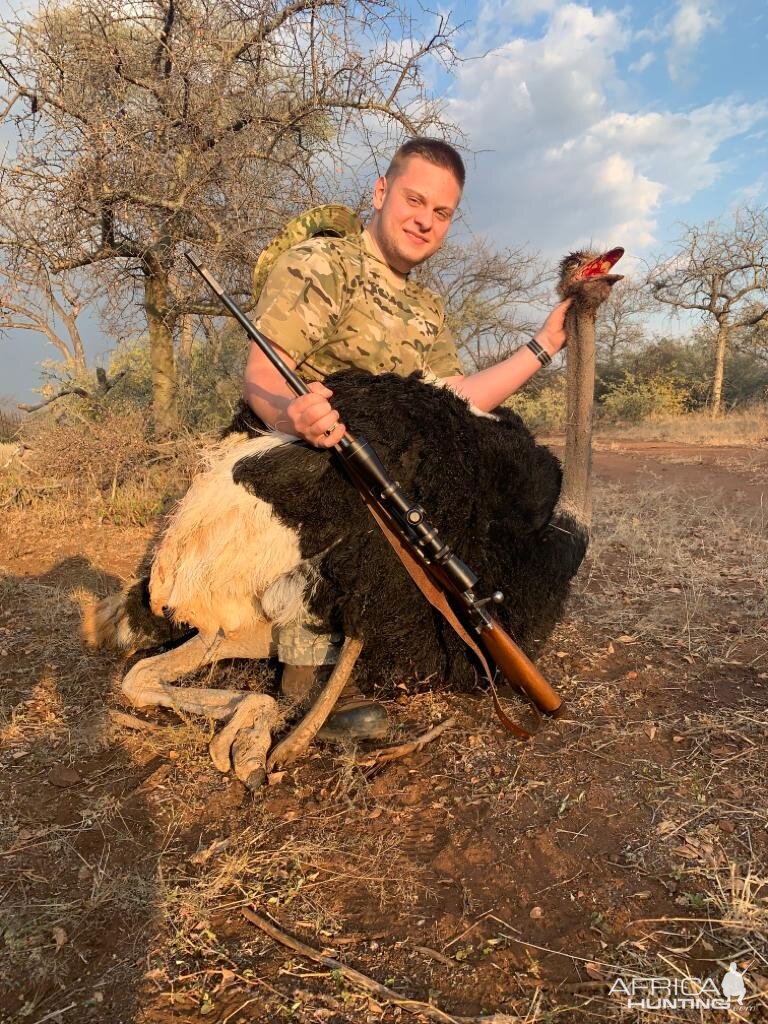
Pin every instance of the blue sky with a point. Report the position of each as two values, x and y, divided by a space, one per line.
612 122
605 122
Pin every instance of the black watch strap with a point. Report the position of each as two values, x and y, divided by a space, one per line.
541 353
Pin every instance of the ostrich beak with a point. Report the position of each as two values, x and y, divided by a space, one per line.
598 268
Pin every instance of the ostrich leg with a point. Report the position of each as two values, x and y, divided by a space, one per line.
251 716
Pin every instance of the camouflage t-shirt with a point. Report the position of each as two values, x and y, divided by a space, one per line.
333 304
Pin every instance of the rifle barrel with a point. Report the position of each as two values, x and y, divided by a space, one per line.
295 383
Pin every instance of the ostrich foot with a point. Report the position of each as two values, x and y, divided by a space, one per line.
297 741
255 711
250 748
250 717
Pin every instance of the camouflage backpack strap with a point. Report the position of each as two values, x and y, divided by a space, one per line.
332 220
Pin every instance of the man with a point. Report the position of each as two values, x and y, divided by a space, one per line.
334 303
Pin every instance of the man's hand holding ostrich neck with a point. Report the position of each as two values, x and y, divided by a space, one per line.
585 281
488 388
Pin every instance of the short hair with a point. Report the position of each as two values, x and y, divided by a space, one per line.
436 151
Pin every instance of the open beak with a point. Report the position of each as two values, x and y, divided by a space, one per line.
601 266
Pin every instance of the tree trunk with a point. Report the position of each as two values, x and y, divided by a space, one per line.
721 348
161 356
186 337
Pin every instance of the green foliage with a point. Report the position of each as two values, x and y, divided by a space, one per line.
665 358
689 362
135 387
209 378
541 405
746 379
637 397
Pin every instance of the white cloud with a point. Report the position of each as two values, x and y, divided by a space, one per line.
644 62
558 162
686 30
755 192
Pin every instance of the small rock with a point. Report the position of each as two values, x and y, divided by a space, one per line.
63 777
726 826
536 913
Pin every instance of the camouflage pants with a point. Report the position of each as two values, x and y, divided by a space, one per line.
306 643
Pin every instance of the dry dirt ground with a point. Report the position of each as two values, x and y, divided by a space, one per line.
486 877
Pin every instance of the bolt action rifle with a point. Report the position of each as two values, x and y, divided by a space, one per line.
447 583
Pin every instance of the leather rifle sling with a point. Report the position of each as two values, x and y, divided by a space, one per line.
438 600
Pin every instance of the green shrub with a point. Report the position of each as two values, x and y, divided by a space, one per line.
209 379
635 398
541 406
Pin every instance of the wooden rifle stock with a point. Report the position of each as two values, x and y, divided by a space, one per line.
518 668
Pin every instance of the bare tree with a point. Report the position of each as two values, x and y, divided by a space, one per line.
488 297
149 128
33 299
721 271
752 339
620 327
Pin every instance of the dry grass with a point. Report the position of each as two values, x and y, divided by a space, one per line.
154 838
681 571
102 469
740 427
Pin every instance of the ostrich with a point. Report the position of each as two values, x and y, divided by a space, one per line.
270 531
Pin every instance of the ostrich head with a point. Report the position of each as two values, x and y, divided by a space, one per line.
586 278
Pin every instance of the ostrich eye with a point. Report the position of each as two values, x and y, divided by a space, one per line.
600 266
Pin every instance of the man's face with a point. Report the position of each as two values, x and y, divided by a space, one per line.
413 212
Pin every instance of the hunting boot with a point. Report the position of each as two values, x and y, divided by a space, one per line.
354 717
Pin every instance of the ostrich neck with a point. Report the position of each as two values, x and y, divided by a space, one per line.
576 494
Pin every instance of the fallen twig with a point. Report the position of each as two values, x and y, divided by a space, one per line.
434 954
387 754
134 722
55 1013
362 981
351 975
